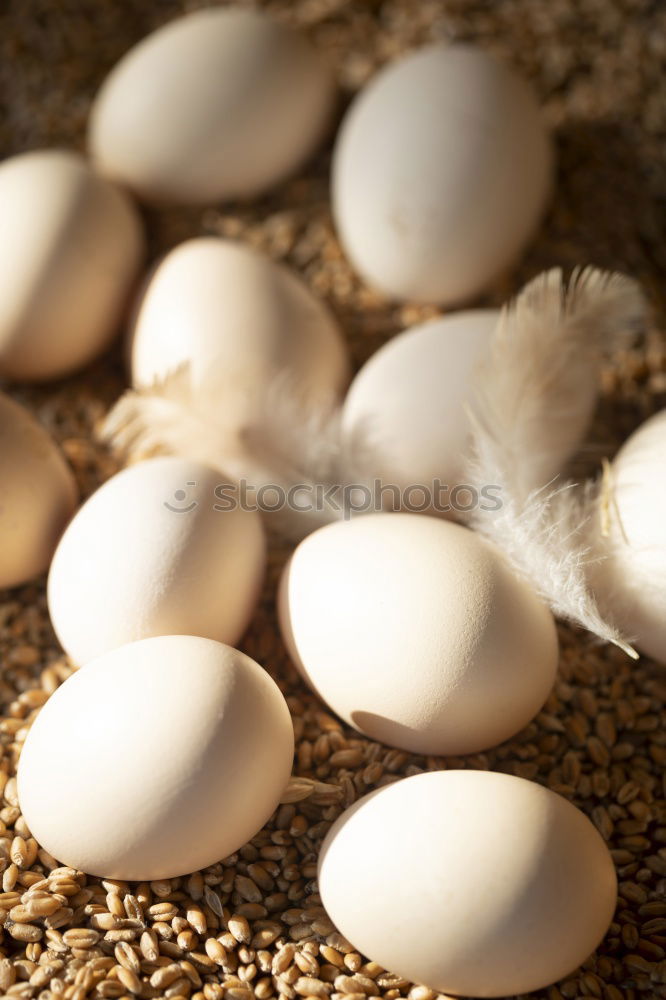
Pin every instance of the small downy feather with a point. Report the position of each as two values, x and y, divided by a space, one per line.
304 449
169 417
287 446
532 402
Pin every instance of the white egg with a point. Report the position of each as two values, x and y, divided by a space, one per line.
409 400
222 103
441 172
37 495
163 547
630 579
415 631
157 759
71 245
219 305
470 882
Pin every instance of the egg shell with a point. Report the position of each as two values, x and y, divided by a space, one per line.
470 882
150 553
409 399
37 495
215 303
219 104
157 759
71 246
631 578
415 631
441 172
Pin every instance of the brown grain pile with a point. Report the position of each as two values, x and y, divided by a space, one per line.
253 924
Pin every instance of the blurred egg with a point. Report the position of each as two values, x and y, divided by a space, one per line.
410 397
630 580
415 631
71 246
163 547
219 104
217 304
470 882
441 172
37 495
247 329
157 759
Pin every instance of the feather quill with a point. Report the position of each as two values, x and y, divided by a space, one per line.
532 401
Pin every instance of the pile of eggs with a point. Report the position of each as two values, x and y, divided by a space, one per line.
410 627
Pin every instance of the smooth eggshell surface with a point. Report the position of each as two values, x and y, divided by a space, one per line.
71 245
219 104
157 759
149 554
37 495
409 400
216 304
415 632
631 581
441 172
470 882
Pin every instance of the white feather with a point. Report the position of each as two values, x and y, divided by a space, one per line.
169 417
292 443
531 405
538 388
286 445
